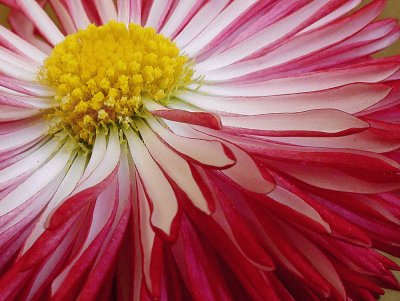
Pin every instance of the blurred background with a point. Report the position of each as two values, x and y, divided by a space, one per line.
392 11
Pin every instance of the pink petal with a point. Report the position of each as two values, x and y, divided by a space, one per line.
209 11
261 39
181 14
333 179
25 29
28 164
136 11
256 182
14 42
157 14
123 11
106 10
221 22
63 16
65 284
42 21
198 118
9 113
315 81
300 46
12 141
319 123
349 99
78 13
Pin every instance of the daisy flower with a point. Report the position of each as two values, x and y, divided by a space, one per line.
198 150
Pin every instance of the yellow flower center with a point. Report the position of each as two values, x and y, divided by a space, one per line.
101 75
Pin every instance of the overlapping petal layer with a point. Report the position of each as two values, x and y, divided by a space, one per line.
276 177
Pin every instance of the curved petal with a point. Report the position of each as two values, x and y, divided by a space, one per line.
92 186
37 180
159 190
176 168
256 182
198 150
198 118
349 99
319 123
28 164
299 46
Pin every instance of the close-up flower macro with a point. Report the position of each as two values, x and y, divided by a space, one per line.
199 150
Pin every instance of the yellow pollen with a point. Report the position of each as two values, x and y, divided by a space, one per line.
101 75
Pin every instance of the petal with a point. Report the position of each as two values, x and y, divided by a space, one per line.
65 284
25 29
19 44
328 178
159 190
28 164
78 13
12 141
42 21
300 46
365 141
176 168
136 11
181 14
37 180
157 14
198 118
319 123
63 16
9 113
69 183
208 12
349 99
150 245
106 10
227 17
288 199
315 81
92 186
123 11
196 149
261 39
256 182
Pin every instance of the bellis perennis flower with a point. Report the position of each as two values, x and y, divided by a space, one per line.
186 150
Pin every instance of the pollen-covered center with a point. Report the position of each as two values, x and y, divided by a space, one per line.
101 75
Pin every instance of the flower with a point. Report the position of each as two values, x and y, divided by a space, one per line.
198 150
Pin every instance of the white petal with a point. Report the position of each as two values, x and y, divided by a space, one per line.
175 166
223 20
159 190
200 21
66 187
37 181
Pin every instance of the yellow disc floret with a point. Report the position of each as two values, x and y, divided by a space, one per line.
101 75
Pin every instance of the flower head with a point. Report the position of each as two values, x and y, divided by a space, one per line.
198 150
